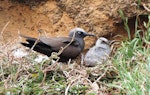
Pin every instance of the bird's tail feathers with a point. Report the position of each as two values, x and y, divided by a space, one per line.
30 40
27 45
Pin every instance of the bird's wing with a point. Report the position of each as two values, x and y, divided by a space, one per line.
95 51
58 42
100 49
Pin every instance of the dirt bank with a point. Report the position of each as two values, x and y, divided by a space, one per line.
57 17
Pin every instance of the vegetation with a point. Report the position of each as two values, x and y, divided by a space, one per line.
127 71
132 61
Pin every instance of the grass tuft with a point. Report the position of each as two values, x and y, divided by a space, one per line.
132 62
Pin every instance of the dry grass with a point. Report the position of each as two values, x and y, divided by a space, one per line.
26 76
126 72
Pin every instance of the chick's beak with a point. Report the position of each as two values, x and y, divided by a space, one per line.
112 41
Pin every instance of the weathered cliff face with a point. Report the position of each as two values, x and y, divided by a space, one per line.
57 17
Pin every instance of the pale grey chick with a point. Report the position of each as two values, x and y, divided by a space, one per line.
99 53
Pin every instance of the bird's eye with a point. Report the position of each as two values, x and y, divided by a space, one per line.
105 42
80 32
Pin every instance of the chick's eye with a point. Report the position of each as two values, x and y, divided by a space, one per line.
104 42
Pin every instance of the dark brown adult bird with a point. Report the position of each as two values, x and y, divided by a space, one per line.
46 45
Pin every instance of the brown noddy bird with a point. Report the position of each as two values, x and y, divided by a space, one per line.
48 45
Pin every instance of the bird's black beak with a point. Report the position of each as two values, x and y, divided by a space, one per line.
90 35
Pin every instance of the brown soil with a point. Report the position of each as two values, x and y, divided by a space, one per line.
57 17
